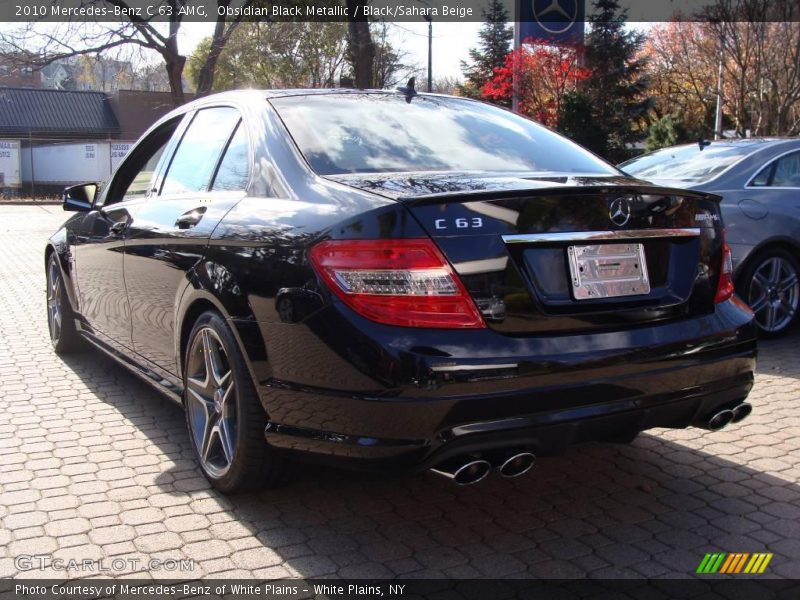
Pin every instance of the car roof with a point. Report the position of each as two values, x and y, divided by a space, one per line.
739 142
284 93
753 146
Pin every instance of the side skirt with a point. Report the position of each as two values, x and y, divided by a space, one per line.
162 385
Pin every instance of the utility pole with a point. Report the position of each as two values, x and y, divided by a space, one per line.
429 19
720 82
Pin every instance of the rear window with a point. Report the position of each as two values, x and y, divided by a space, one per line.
687 163
366 133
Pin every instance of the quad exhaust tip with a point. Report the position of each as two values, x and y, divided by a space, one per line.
463 470
723 418
720 420
516 465
468 470
741 412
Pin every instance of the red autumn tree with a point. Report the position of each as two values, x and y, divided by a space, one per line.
545 73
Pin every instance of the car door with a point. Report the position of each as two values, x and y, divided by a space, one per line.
772 199
100 241
206 175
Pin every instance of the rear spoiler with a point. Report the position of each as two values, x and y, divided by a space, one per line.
556 190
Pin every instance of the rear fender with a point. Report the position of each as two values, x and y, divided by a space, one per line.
197 298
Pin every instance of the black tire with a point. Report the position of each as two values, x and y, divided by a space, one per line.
776 301
229 444
60 317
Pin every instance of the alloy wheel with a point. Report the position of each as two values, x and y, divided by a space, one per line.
774 294
211 402
54 310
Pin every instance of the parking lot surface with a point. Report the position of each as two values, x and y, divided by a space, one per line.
96 465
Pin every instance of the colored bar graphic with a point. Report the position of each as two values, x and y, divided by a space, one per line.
717 563
737 568
711 562
704 563
763 566
734 563
732 558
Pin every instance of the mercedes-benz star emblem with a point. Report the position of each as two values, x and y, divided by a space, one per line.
619 211
552 15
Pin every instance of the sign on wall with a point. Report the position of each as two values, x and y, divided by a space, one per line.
557 22
10 172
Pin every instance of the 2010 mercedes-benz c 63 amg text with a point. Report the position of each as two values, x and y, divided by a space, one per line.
398 281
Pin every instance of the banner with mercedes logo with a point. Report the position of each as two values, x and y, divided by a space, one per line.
557 22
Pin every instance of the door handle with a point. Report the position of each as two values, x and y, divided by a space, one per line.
190 218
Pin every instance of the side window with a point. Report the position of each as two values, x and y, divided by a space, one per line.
133 179
234 169
196 158
762 178
787 171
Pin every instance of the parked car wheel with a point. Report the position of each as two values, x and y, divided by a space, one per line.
225 418
771 285
60 318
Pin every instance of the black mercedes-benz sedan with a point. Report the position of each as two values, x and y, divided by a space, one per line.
392 280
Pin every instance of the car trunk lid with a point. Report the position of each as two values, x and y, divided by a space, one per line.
553 253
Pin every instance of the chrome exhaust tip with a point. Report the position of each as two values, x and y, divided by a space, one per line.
463 470
517 464
720 420
741 412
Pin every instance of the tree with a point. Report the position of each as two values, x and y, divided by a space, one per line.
756 42
618 84
391 65
276 55
446 85
667 131
576 120
71 39
223 29
361 49
544 74
495 44
682 64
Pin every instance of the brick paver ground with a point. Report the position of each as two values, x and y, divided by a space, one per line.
96 465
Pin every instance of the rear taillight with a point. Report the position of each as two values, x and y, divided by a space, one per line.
397 282
725 284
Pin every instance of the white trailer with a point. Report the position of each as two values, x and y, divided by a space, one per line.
66 163
118 151
10 171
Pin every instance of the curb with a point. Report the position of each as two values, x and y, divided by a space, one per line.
29 203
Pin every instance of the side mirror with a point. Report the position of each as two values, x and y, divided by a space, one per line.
79 198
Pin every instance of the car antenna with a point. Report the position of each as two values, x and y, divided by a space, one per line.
409 92
703 143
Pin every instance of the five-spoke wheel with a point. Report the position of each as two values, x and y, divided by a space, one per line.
773 291
54 314
60 318
225 418
210 403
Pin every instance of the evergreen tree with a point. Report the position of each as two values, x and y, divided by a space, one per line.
576 120
618 85
495 43
667 131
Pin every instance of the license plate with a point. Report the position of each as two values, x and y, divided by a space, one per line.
608 271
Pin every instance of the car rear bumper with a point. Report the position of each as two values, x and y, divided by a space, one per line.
503 392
